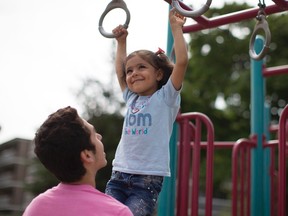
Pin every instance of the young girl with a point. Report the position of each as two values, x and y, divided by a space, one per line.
151 87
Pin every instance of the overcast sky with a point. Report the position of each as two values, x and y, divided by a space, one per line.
47 47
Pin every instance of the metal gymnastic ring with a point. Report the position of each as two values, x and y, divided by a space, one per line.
262 24
191 13
112 5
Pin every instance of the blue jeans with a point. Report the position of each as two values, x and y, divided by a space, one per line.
138 192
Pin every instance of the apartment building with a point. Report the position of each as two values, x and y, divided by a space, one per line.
15 156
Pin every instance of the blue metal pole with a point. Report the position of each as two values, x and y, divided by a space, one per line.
259 177
167 197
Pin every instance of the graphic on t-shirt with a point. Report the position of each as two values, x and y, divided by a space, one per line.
137 123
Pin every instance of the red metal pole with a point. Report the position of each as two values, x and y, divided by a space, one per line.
272 144
241 143
238 16
235 177
272 172
196 170
278 70
281 3
199 119
183 168
209 164
243 165
249 180
282 162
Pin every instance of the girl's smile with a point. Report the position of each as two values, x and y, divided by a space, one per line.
141 77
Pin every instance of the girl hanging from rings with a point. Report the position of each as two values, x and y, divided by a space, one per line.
151 86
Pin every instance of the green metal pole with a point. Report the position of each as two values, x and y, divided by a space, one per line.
259 176
167 197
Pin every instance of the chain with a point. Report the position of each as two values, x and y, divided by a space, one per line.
261 12
262 4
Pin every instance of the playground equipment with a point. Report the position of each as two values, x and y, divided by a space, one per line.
251 157
248 193
191 133
254 171
261 25
111 6
189 12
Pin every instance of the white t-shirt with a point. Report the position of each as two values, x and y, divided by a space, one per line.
148 124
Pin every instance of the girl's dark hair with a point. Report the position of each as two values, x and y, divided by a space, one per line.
157 60
59 142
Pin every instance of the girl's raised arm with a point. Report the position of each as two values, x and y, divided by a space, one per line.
120 34
181 55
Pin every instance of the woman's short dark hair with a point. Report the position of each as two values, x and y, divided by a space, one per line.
59 142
